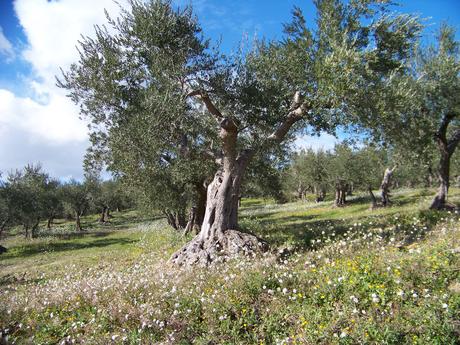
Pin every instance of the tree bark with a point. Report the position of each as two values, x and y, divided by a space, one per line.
439 201
103 217
78 222
385 186
49 222
191 221
341 189
218 238
175 219
446 149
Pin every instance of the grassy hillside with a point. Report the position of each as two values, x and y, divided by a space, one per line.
334 276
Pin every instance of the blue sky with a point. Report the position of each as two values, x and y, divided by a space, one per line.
37 121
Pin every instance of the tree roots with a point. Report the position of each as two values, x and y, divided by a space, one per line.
227 245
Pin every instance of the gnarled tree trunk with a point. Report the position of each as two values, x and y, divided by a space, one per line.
192 218
385 186
341 189
446 149
176 219
219 238
104 218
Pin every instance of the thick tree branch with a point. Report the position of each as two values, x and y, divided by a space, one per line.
204 97
296 112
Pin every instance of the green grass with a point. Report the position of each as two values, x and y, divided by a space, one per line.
350 276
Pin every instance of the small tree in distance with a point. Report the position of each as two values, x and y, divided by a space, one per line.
76 197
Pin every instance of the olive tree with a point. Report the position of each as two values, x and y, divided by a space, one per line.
309 172
418 110
27 191
77 197
219 113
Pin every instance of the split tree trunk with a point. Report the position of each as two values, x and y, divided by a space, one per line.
219 238
385 186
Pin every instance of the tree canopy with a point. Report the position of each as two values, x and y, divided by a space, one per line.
163 104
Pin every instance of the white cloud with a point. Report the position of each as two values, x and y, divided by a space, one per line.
6 48
46 127
56 122
324 141
53 29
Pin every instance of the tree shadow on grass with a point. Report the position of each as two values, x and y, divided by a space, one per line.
28 250
300 229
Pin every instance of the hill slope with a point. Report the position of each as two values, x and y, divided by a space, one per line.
346 276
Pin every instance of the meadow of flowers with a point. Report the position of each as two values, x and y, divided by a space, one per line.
356 278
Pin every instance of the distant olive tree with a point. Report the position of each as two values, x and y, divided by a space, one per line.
77 198
27 192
